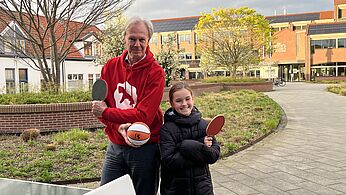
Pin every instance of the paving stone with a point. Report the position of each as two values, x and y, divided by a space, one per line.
301 192
223 191
280 184
239 188
268 189
339 187
316 188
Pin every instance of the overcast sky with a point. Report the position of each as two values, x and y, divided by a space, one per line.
160 9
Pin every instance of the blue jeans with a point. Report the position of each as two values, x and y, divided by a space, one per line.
142 164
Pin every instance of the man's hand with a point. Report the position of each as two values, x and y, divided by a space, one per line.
98 107
123 131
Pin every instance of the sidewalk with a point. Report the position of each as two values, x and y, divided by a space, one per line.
308 156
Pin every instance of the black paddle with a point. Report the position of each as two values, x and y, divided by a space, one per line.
99 90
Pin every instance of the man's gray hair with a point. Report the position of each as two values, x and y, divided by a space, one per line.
137 19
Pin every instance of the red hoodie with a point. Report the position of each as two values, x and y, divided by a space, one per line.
134 95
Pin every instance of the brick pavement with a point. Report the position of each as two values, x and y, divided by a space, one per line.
308 156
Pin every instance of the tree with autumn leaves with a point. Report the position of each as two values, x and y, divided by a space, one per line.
232 38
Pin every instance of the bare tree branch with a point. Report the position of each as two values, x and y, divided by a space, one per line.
52 27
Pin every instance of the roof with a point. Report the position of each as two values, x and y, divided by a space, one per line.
327 28
188 23
294 17
175 24
73 51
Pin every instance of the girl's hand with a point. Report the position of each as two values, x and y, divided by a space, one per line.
208 141
123 131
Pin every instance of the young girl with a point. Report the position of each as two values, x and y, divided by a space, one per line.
186 151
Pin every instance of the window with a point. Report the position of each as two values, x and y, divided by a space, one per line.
164 39
8 48
90 80
341 71
2 47
23 80
188 56
154 40
322 44
97 49
329 43
15 41
303 27
87 48
297 28
185 56
274 30
10 80
181 56
342 43
75 81
184 38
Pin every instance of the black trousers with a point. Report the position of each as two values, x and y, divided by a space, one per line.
142 164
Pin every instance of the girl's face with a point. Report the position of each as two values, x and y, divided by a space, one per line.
182 102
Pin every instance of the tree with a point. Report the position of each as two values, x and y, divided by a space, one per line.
232 38
113 43
49 29
168 58
207 64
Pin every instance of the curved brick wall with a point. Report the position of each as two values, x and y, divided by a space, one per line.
47 117
64 116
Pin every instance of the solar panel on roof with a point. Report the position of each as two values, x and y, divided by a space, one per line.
175 25
327 28
294 18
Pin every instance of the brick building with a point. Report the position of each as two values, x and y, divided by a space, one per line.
306 46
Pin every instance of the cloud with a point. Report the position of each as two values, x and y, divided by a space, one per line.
159 9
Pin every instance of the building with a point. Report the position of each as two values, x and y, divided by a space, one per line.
310 46
186 40
307 46
19 74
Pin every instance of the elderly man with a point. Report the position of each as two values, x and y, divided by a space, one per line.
135 89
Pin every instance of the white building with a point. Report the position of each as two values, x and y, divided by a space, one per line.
78 71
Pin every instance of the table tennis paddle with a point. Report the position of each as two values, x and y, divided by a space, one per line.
99 90
215 125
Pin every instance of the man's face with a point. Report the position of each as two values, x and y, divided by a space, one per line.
136 41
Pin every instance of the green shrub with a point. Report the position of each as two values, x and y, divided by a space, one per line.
45 98
334 89
343 92
338 89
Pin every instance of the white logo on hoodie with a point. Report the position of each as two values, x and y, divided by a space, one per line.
120 101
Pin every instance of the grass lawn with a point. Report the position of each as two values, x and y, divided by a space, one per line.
79 154
338 89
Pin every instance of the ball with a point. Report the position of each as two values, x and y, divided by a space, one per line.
138 133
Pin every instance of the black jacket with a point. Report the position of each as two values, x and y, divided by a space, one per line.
185 157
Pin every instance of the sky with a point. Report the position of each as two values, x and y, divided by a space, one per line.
161 9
